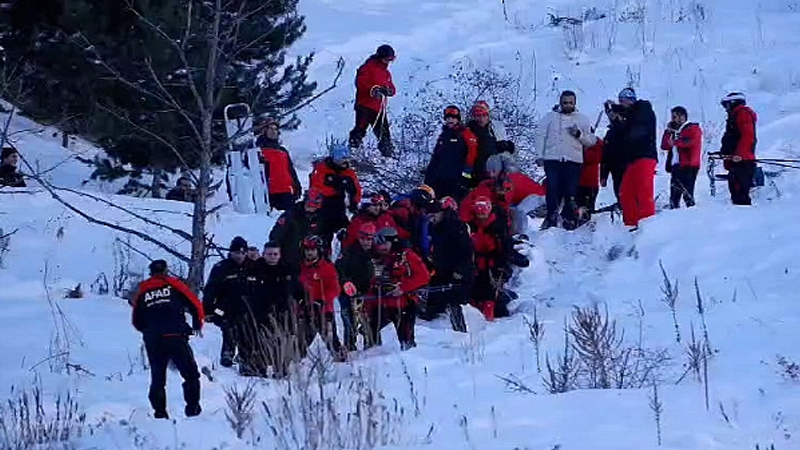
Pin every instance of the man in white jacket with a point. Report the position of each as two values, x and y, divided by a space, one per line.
561 137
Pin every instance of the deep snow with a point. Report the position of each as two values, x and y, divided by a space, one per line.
744 259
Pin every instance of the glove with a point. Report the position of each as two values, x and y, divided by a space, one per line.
506 147
385 90
350 289
574 131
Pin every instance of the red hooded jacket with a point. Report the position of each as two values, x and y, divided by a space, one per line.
373 73
320 282
740 133
689 144
485 189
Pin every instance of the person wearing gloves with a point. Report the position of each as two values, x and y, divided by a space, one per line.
561 137
373 87
452 165
739 147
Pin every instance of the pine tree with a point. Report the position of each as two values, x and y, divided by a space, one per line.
115 72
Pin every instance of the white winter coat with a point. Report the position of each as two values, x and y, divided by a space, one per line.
554 141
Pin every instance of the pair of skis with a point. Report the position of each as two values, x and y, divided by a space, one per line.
247 181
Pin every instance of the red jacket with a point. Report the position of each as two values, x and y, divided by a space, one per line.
488 240
404 217
405 269
373 73
382 221
590 172
333 182
159 305
320 282
740 133
484 189
278 167
689 144
522 186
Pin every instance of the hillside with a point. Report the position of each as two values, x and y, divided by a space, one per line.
481 390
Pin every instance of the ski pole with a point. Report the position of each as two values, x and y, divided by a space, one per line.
442 288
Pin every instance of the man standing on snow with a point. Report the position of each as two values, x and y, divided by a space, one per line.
338 183
158 313
683 140
739 147
561 136
638 139
491 135
373 88
452 165
284 186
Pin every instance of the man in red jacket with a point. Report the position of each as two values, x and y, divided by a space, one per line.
739 147
320 284
284 186
399 272
338 183
373 88
158 313
683 140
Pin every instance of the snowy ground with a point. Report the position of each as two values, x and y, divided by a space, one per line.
447 393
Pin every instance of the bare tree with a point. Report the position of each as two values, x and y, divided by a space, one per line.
218 27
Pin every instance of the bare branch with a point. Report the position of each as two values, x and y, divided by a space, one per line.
339 69
141 235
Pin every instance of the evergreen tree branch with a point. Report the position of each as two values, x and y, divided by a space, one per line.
340 63
153 135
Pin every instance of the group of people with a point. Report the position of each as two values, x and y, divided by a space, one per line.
447 243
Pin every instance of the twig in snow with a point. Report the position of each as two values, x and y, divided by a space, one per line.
657 408
670 292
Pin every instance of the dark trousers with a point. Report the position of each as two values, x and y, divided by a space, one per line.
314 320
587 198
228 351
365 118
562 185
160 351
403 319
282 202
682 186
349 321
438 302
740 180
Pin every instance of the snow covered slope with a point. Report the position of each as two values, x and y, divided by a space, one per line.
450 391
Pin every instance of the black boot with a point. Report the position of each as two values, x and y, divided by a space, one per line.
193 410
161 414
457 318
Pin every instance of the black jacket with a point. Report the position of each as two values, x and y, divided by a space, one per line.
290 229
451 248
356 266
449 157
230 289
10 177
159 305
638 137
276 285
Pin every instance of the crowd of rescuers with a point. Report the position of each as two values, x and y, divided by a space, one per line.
447 244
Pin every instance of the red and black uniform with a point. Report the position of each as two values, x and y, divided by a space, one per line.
373 86
453 157
320 287
687 140
589 183
381 221
158 312
492 248
337 184
740 140
403 269
284 186
501 197
636 193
